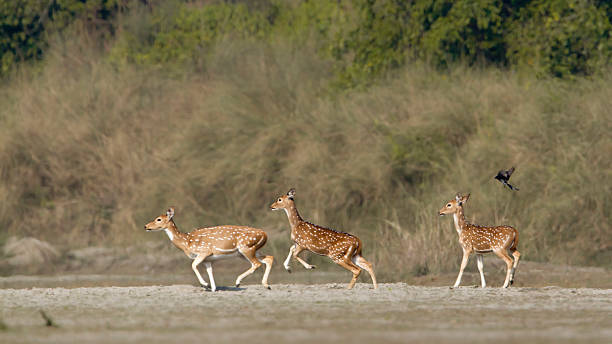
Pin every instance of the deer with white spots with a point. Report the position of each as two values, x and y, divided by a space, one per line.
343 248
215 243
483 239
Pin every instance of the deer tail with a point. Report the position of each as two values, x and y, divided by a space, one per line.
262 240
515 241
358 248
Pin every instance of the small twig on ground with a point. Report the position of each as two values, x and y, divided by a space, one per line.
49 321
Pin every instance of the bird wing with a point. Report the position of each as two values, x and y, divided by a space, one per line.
510 171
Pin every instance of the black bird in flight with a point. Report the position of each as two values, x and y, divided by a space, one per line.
503 177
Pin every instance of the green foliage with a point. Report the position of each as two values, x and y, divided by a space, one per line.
455 30
558 38
376 44
365 39
26 24
561 38
185 35
21 24
392 32
320 19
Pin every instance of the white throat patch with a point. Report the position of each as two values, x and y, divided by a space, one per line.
456 218
170 235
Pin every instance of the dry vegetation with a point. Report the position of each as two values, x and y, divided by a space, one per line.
90 151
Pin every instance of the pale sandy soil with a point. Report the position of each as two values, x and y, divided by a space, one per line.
102 296
300 313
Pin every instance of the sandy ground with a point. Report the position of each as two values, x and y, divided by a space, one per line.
99 297
300 313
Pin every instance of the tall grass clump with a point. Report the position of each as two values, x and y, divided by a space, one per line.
90 150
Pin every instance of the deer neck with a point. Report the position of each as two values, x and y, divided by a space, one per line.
178 238
459 220
294 216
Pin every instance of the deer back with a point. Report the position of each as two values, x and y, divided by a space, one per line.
485 238
325 241
225 239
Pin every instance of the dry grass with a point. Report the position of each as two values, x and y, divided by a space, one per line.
89 152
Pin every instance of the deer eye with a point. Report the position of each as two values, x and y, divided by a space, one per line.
158 219
280 199
448 205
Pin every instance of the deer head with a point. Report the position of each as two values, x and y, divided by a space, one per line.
162 222
453 205
284 202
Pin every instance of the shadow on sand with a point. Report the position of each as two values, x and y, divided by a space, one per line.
223 288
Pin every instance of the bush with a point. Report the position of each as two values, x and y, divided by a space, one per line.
558 38
561 38
181 35
26 25
365 39
391 33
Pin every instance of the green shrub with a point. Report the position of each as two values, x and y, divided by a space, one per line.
21 24
184 35
390 33
26 24
365 39
376 43
561 38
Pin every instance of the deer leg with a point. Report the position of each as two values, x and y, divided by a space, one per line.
268 260
297 251
347 264
249 254
286 263
209 270
517 257
364 264
504 255
194 265
464 261
479 261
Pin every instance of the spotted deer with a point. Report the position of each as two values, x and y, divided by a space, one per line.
343 248
215 243
481 240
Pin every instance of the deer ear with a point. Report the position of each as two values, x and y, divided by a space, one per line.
465 198
458 197
291 193
170 213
